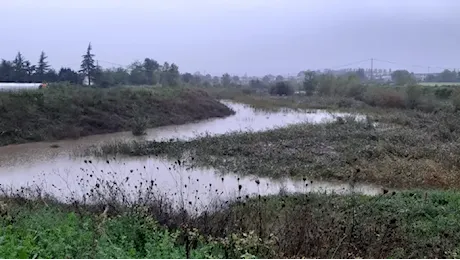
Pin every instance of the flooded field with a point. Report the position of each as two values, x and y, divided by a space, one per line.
54 166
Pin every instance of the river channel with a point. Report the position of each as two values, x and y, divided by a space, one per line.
54 167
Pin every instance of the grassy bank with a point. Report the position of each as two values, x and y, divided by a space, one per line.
72 111
402 225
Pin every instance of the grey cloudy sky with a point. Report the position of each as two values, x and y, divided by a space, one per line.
236 36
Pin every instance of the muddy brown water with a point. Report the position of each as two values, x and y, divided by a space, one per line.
54 167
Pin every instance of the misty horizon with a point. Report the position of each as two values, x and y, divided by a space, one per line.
237 37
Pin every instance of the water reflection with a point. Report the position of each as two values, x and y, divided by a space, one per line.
196 188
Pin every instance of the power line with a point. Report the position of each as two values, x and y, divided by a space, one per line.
418 66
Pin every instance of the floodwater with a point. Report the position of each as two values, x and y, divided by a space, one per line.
54 166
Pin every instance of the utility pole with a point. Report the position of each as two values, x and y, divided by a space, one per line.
372 69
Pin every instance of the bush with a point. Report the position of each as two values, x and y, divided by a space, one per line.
456 100
387 98
413 94
139 126
443 93
356 91
326 85
282 89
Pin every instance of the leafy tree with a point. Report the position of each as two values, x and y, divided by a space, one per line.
197 79
151 68
448 76
226 80
30 70
236 79
88 68
67 74
266 79
42 67
281 88
279 78
402 77
6 71
169 75
187 77
51 76
137 75
257 84
173 75
215 80
310 82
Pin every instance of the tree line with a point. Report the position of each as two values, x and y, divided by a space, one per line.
148 72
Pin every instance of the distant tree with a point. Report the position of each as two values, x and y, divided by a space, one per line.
196 79
19 68
30 70
257 84
169 74
402 77
235 79
173 75
208 78
310 82
226 80
42 67
187 77
67 74
6 71
51 76
266 79
281 88
151 68
448 76
279 78
88 67
215 80
137 75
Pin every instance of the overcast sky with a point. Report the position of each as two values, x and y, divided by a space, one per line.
236 36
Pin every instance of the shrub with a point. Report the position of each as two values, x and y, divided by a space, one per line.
282 89
139 126
443 93
456 100
356 91
387 98
326 85
413 94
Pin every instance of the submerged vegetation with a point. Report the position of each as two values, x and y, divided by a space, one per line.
400 150
61 111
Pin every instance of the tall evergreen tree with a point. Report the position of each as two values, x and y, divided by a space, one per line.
19 68
42 67
88 68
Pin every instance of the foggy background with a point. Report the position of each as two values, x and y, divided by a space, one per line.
256 37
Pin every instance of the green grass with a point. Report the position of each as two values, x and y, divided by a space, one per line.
61 112
412 224
38 230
